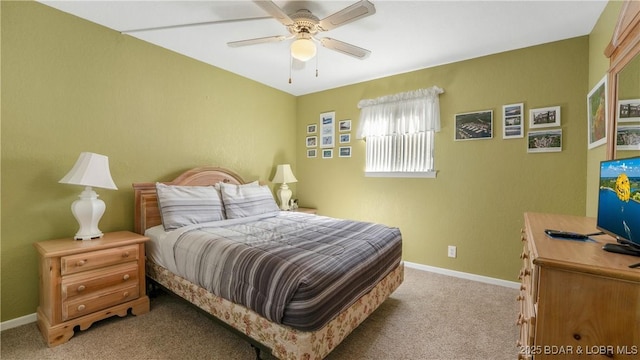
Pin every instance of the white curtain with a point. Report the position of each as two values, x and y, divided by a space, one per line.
404 113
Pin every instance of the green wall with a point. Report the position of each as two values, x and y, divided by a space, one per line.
69 86
483 186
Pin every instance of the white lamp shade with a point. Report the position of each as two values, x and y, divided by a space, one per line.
284 175
303 49
90 170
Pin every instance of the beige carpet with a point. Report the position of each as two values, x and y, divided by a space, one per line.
430 316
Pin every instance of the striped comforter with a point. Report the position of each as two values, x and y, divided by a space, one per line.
292 268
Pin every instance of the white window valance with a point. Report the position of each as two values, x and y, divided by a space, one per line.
403 113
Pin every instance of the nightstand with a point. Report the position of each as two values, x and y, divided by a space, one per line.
306 210
85 281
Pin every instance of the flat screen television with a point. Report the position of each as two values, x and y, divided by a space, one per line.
619 199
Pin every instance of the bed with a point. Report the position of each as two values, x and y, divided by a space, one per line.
296 323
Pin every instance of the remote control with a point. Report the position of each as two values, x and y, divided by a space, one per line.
565 235
620 249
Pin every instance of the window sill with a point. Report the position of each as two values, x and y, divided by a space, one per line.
397 174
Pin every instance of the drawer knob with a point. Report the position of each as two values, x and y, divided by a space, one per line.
125 277
81 307
82 262
81 288
125 294
125 254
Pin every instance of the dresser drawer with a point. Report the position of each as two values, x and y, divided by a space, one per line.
84 305
91 260
88 282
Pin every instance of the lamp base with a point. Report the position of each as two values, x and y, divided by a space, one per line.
284 194
87 237
88 210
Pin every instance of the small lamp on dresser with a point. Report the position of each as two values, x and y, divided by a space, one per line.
284 175
91 170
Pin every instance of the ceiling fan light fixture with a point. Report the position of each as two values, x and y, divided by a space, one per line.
303 49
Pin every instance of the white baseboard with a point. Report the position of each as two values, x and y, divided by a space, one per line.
23 320
9 324
464 275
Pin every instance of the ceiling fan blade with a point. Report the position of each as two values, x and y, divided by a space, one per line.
275 11
345 48
359 10
178 26
255 41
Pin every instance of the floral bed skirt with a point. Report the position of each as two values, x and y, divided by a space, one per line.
284 342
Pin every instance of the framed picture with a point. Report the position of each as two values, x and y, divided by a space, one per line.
512 122
344 125
597 114
628 137
311 153
544 141
344 151
312 128
629 110
345 138
474 125
544 117
312 141
327 153
327 129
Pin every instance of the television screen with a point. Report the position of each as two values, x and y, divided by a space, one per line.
619 199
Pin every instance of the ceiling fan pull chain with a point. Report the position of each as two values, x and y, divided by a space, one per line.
290 66
317 56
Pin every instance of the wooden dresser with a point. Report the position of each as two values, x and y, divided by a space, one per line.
577 301
85 281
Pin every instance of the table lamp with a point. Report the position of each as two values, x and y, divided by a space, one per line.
284 175
90 170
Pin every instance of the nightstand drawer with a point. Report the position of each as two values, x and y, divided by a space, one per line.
96 259
89 304
95 280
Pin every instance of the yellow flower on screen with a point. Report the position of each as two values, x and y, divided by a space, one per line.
623 188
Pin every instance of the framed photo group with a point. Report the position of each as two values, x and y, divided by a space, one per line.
545 137
323 135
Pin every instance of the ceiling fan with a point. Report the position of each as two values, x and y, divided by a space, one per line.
303 27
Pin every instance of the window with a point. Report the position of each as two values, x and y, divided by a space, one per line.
398 131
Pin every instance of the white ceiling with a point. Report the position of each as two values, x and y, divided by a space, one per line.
402 35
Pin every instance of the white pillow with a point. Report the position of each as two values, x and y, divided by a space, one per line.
253 183
186 205
247 200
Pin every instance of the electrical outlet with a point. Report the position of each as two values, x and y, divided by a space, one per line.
452 251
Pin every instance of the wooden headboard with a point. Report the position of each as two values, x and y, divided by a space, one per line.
146 210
